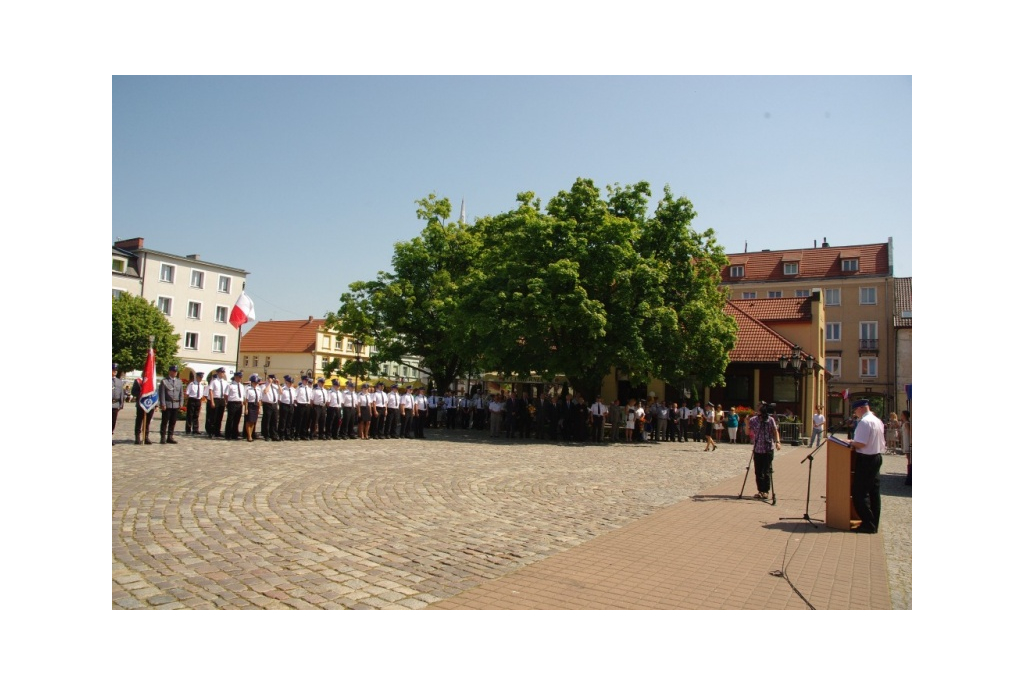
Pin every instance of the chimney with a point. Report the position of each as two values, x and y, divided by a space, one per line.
310 319
129 244
824 242
192 256
815 243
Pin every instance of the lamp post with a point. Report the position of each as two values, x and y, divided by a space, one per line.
794 363
357 345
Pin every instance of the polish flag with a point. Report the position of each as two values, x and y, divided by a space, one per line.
243 312
147 400
846 394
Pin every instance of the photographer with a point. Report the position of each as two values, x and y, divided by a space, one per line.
764 434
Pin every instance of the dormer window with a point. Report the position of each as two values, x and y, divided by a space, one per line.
791 268
736 271
851 264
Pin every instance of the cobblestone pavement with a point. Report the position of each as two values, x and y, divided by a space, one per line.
396 524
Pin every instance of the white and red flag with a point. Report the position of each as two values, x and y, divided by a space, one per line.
243 312
846 394
148 399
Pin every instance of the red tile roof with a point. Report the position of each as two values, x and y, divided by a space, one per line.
755 342
777 308
282 336
815 263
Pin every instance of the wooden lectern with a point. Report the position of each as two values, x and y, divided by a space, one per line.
839 510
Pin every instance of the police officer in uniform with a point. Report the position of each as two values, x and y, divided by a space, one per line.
269 398
194 401
170 395
286 407
868 444
318 424
348 412
142 417
233 395
215 403
300 426
391 420
334 410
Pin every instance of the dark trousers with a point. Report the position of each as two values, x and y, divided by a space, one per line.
234 417
867 498
142 421
763 470
418 421
319 422
673 431
391 423
597 428
214 417
333 422
192 415
284 420
449 418
378 424
268 427
348 422
168 419
114 424
300 422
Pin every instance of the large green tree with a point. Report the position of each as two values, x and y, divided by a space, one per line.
594 283
133 321
414 308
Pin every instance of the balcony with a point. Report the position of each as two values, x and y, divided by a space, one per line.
868 345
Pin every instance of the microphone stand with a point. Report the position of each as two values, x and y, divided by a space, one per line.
810 465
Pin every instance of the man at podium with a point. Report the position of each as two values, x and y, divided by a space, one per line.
868 444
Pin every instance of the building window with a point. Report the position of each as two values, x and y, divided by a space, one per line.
851 264
834 366
218 343
164 305
833 332
245 360
116 294
191 341
832 298
868 296
736 271
868 336
327 342
791 268
167 273
749 296
195 310
118 265
266 362
774 294
197 278
348 347
869 367
256 360
224 284
337 343
801 293
221 315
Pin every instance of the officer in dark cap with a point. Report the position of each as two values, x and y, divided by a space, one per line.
868 444
194 395
334 410
318 422
117 387
215 402
235 394
285 408
303 397
171 396
270 398
349 411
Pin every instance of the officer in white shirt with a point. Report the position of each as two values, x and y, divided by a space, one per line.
380 411
286 409
348 411
405 409
195 392
303 397
270 393
419 412
868 444
215 403
334 410
318 422
391 421
233 395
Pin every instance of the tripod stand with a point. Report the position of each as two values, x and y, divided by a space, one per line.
771 480
807 508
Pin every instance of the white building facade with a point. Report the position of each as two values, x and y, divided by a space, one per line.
195 296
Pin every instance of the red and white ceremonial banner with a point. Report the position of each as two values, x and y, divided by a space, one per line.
148 398
846 394
243 312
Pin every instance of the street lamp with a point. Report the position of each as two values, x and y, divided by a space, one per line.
357 345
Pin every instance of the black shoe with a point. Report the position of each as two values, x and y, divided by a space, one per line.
148 441
138 441
163 440
864 529
172 441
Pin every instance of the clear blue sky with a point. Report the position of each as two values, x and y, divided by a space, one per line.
307 182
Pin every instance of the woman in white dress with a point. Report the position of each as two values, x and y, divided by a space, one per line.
630 420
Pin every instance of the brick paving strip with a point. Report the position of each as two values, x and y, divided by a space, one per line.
458 521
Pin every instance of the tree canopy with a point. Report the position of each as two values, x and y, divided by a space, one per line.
584 285
133 321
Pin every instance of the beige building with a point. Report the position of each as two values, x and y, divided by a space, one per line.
303 347
857 287
903 323
194 295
